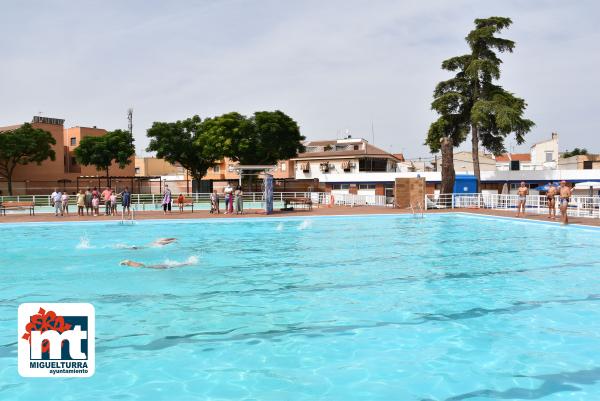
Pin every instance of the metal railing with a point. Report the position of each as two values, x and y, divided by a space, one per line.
148 202
579 206
359 200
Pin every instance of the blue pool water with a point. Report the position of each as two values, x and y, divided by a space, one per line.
449 307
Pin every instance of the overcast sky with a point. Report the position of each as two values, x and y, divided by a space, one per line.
331 65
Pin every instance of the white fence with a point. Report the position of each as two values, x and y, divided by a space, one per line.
579 206
359 200
144 202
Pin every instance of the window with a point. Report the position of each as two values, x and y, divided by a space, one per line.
588 164
340 186
73 141
371 164
216 169
515 165
366 186
283 166
549 156
137 170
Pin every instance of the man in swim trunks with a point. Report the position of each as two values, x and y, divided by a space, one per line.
565 198
522 191
550 195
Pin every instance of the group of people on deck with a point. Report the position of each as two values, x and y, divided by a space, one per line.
564 197
234 200
90 200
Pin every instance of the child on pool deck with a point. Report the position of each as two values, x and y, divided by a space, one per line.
96 205
65 202
80 202
180 202
113 203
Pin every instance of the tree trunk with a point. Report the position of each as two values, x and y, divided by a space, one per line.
9 180
475 152
448 173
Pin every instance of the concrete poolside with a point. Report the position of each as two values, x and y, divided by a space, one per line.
320 211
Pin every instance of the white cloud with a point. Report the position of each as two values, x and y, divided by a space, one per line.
330 65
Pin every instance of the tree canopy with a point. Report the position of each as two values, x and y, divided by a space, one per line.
264 138
472 102
185 142
197 144
101 151
21 146
575 152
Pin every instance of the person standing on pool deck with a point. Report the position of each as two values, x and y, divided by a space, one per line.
80 202
52 196
96 204
113 203
214 202
181 202
239 200
126 200
550 195
88 201
106 195
522 191
228 198
565 198
166 202
65 202
57 201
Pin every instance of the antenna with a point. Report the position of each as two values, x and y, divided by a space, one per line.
372 133
130 120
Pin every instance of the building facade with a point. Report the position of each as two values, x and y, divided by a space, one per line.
63 172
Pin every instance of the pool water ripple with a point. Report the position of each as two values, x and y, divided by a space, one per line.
447 307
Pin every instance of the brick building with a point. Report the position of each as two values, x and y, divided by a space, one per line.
63 172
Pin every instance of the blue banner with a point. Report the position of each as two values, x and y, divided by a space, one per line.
268 194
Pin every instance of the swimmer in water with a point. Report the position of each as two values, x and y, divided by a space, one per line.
164 241
133 263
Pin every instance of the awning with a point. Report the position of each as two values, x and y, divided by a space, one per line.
587 185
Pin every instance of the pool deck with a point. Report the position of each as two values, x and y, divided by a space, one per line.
321 211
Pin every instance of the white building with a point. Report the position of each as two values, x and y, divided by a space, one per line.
544 155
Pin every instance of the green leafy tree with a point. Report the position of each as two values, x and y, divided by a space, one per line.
22 146
101 151
493 112
575 152
187 143
452 101
264 138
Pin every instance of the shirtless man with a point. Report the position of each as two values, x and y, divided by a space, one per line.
565 198
523 191
551 201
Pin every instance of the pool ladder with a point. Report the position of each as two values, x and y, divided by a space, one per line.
419 212
131 218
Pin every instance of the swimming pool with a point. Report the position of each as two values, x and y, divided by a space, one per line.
449 307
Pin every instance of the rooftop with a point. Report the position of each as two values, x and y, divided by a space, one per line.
507 157
342 148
